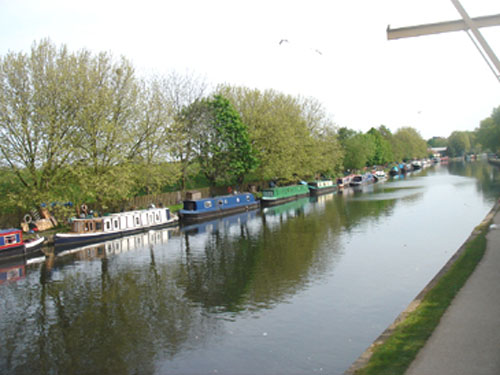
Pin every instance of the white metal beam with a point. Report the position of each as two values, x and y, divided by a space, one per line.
441 27
479 37
469 25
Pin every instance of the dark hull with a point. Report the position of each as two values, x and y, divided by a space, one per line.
12 252
275 202
316 192
197 217
66 243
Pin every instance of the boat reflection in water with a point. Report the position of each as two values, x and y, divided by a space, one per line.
288 210
120 245
220 223
321 200
12 270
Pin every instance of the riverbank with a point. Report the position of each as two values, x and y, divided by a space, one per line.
397 347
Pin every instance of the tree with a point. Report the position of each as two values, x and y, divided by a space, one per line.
458 143
359 150
222 144
178 92
383 151
278 131
344 134
488 134
437 142
40 113
408 144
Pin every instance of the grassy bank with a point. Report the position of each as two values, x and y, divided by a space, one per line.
397 352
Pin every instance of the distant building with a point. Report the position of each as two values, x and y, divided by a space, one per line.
439 151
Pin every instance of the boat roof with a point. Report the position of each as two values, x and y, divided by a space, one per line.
7 231
218 197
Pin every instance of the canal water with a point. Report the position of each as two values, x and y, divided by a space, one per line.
300 288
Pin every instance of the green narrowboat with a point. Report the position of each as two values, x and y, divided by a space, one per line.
321 187
282 194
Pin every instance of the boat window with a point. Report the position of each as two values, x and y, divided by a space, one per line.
237 200
225 201
248 198
116 224
9 240
219 202
157 217
189 206
108 225
208 204
137 221
98 225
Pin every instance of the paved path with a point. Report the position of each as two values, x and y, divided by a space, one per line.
467 340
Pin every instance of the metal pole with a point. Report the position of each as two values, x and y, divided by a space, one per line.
479 37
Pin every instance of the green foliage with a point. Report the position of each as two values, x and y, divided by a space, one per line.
75 126
437 142
383 151
81 127
293 137
408 144
488 134
220 140
459 143
359 151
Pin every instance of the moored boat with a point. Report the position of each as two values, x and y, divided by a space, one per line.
344 181
380 175
207 208
394 171
96 229
12 243
416 164
356 180
282 194
321 187
359 180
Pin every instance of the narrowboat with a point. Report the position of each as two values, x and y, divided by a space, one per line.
12 243
207 208
394 171
416 165
321 187
359 180
380 175
282 194
95 229
343 182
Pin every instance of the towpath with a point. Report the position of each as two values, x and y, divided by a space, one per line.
467 339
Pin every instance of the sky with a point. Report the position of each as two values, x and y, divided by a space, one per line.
335 51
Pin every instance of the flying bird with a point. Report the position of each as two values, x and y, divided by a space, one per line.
283 41
318 51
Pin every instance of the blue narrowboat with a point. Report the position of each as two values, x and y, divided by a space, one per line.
12 243
207 208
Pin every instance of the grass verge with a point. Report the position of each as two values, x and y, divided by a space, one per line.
396 353
176 207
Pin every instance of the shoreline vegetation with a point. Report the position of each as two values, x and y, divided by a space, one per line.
84 128
395 349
